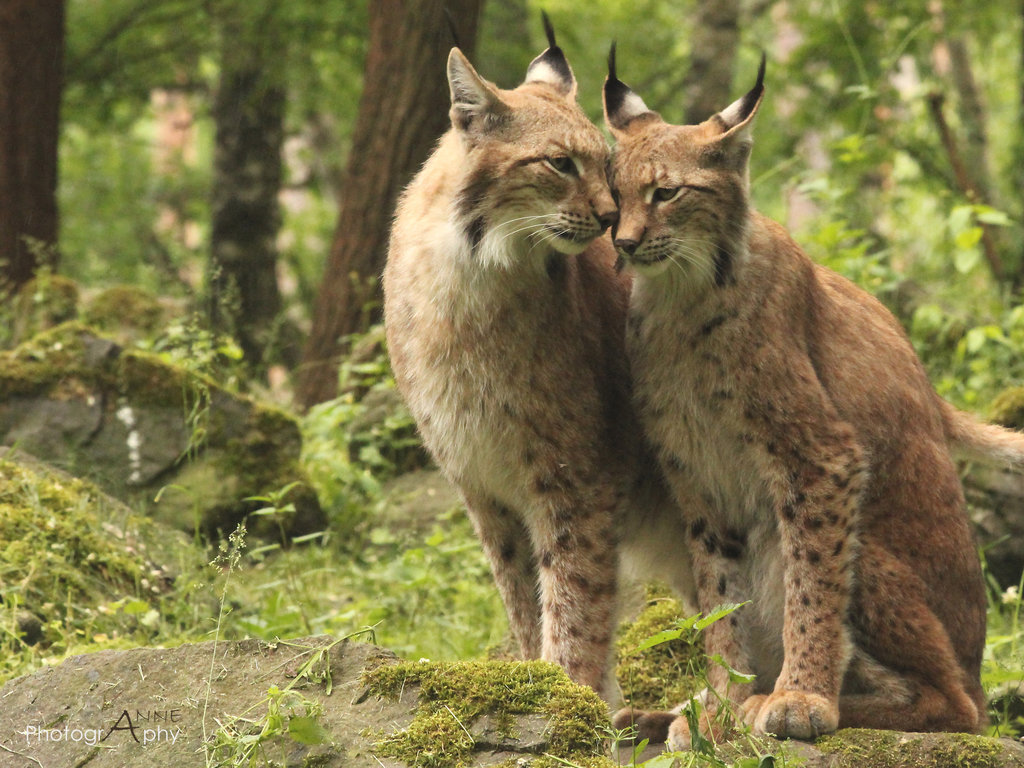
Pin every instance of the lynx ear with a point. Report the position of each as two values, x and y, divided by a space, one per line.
552 67
472 96
621 105
738 117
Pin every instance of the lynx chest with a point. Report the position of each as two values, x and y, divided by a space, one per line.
495 389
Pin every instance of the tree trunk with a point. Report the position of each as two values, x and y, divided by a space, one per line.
403 110
31 75
715 35
1018 167
249 116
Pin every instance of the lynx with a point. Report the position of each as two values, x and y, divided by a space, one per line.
505 322
806 447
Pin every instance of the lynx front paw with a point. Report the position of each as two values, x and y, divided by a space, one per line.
796 715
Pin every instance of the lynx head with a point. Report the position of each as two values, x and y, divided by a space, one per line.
535 168
682 189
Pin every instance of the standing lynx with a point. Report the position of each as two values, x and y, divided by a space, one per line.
506 323
797 426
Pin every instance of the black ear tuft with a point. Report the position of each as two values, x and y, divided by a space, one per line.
754 94
552 67
548 30
450 21
621 105
741 110
615 93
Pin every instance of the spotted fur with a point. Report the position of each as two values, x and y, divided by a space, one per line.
797 426
506 321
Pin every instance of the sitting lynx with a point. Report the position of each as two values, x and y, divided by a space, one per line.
506 328
811 456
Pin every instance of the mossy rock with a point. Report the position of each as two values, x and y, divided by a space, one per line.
1007 408
136 424
128 312
313 701
862 748
78 562
43 302
491 713
663 675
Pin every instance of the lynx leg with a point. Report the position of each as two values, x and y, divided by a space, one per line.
506 543
884 698
897 630
575 548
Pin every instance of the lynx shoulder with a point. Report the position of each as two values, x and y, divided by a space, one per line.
506 321
801 436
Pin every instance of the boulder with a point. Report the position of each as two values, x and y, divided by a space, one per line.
335 703
143 428
313 702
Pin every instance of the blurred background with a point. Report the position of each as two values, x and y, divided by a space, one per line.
240 160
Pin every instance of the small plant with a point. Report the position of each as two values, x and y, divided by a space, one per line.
1002 670
704 752
285 714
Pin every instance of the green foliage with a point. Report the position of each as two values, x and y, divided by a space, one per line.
742 750
284 715
77 574
657 661
365 436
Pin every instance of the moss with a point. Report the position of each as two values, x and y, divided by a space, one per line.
1007 408
124 306
453 695
36 365
43 302
662 676
885 749
83 577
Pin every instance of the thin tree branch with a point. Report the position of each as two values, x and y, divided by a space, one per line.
964 181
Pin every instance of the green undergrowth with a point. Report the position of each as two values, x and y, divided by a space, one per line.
78 572
661 675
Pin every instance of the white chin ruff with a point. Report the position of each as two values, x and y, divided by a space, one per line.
650 269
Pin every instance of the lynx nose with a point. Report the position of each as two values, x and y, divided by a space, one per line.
627 247
608 219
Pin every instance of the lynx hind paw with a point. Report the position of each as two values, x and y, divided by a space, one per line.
796 715
652 726
713 727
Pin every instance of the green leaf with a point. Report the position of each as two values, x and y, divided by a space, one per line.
966 260
992 216
968 238
734 675
960 217
135 607
306 730
665 636
718 614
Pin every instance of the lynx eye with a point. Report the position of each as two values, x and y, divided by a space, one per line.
561 164
664 194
